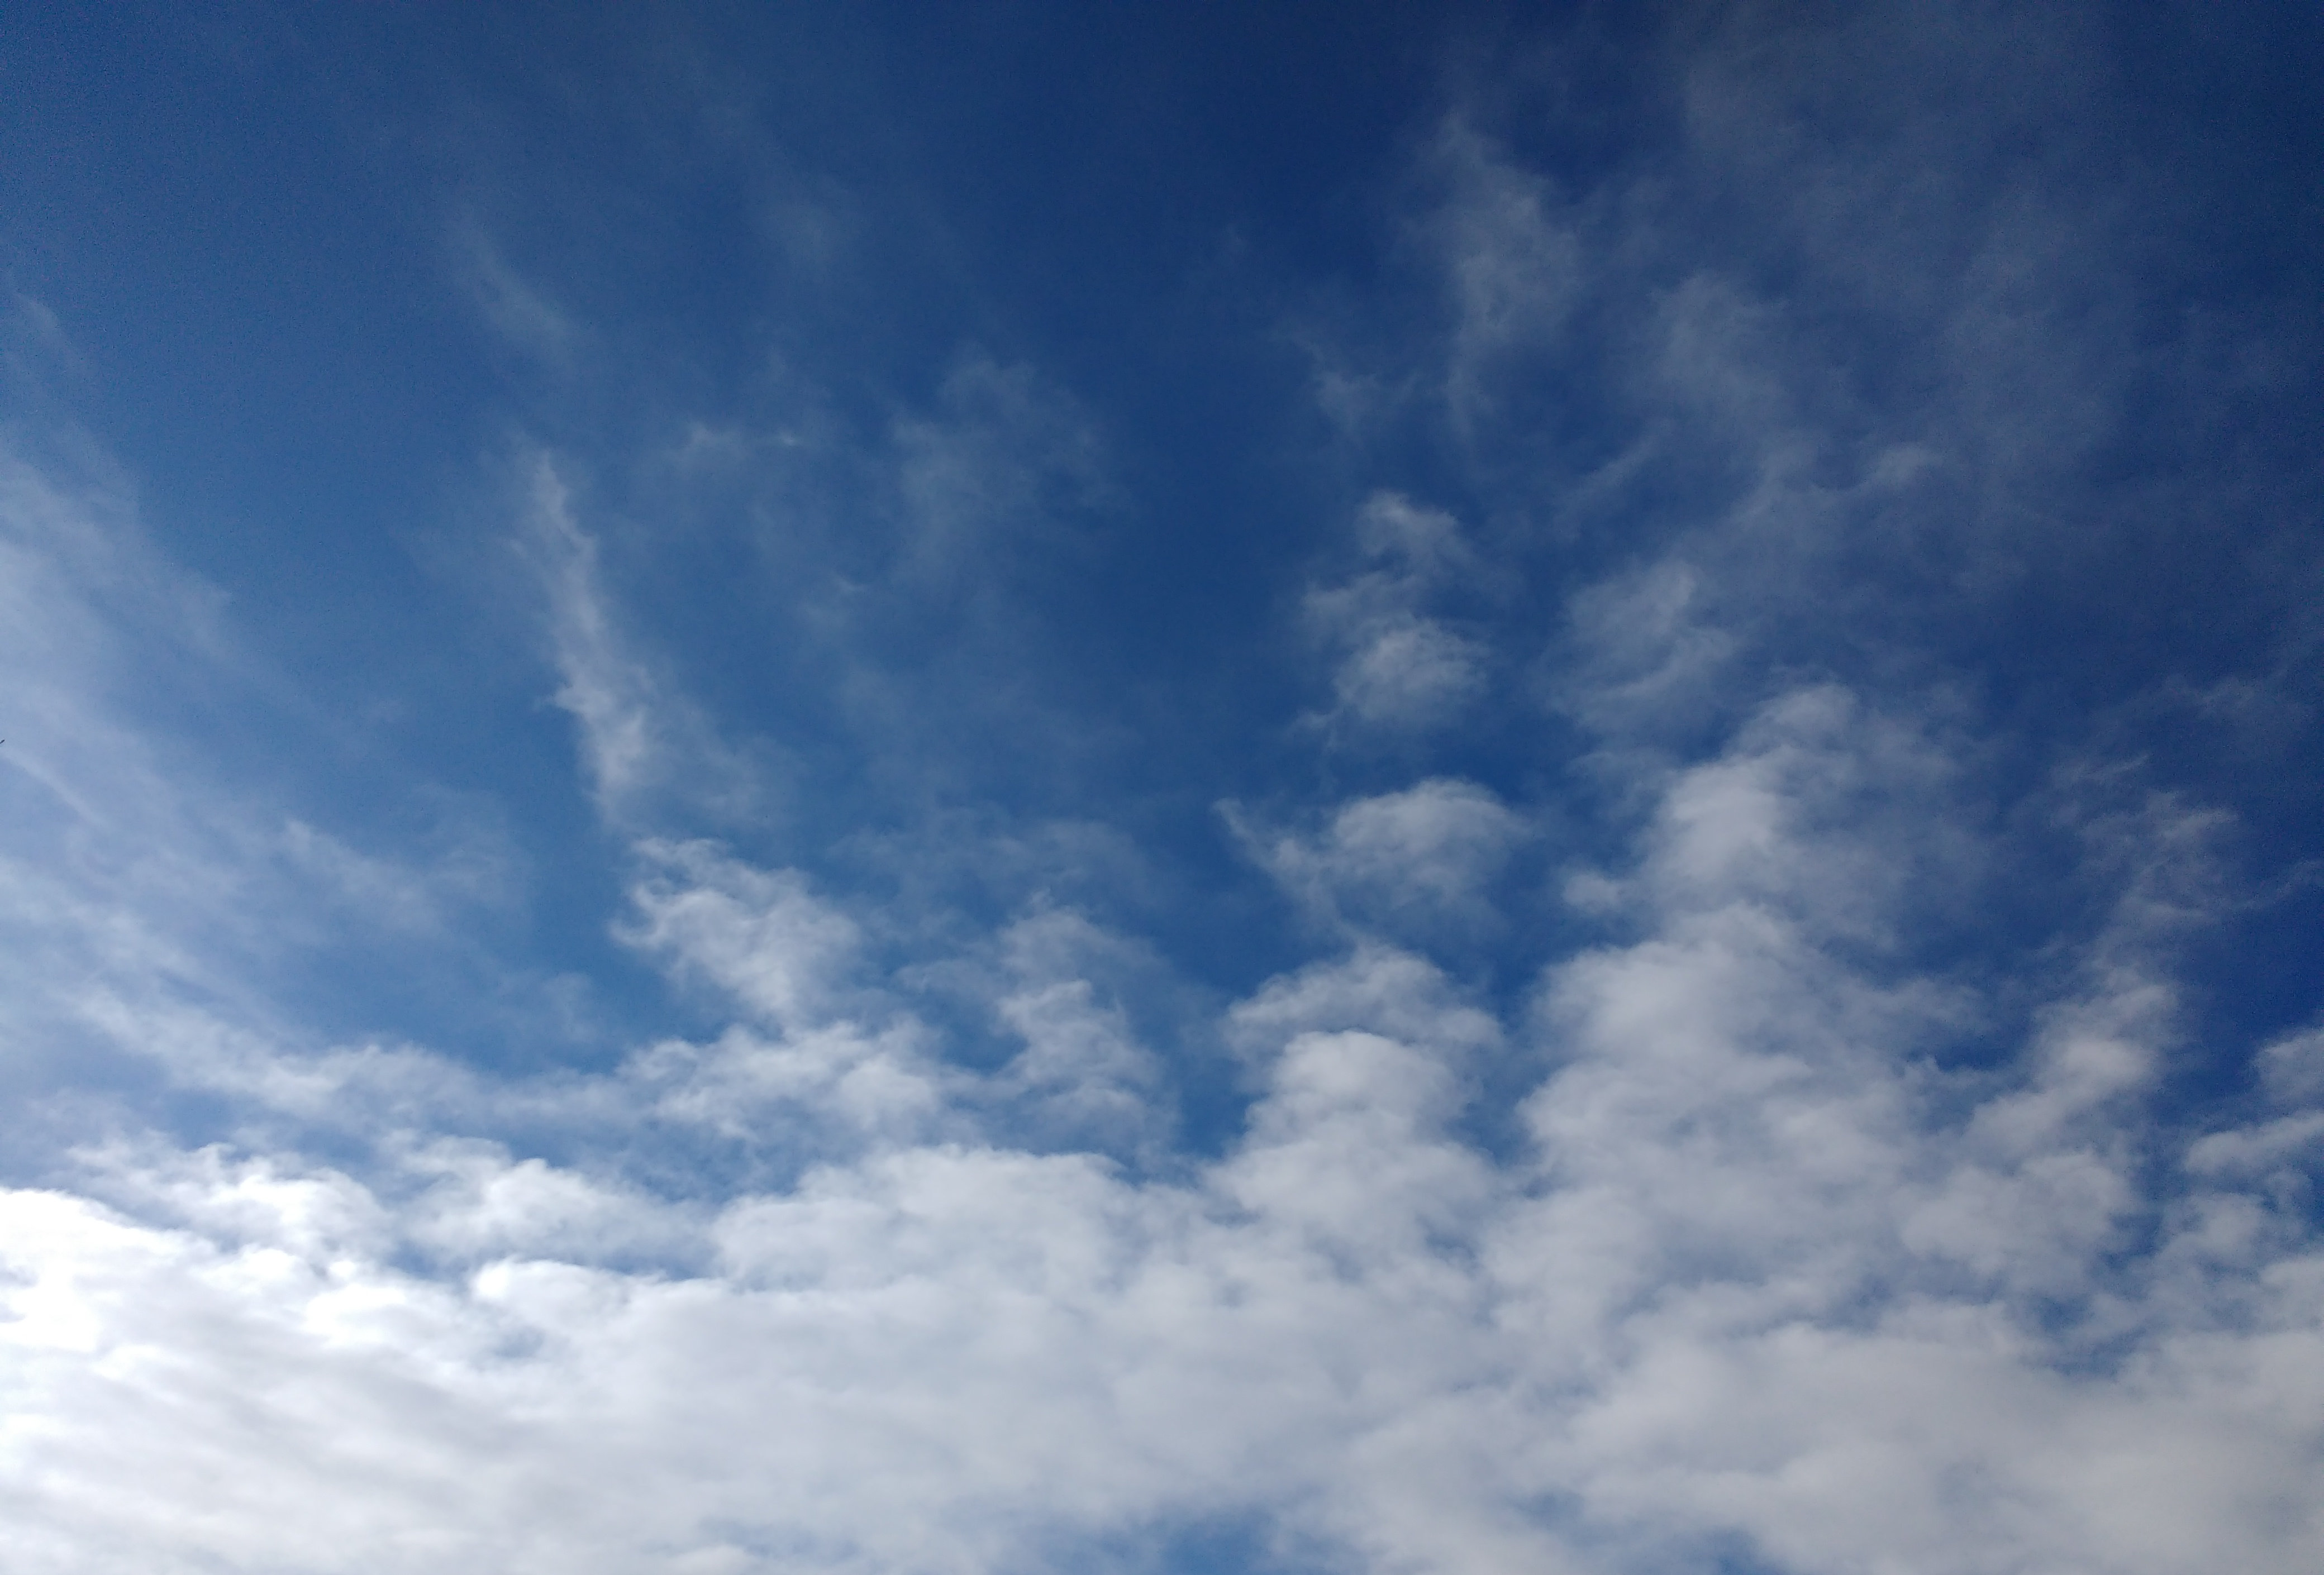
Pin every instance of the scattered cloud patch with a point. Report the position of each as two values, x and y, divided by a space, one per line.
1398 670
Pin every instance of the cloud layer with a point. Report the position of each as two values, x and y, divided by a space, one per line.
1678 983
1757 1269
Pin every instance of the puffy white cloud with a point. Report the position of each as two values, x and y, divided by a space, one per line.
2293 1067
1761 1272
1408 672
1421 860
761 937
1651 658
1757 1268
1399 670
1082 1080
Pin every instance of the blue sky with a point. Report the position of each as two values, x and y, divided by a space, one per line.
1164 788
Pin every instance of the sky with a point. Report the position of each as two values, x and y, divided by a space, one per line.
1175 789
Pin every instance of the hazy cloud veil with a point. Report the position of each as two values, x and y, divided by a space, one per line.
1686 943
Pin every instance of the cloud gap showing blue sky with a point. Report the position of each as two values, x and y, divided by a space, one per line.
1358 788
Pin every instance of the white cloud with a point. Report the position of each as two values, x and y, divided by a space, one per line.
475 870
1399 669
151 904
1004 458
761 936
645 745
1412 861
1408 672
1763 1273
515 307
2293 1067
1513 266
1082 1080
1649 657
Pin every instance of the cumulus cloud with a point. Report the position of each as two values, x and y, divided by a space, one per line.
1397 669
1413 860
1762 1271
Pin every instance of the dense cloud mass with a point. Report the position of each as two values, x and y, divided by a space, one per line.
1579 835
